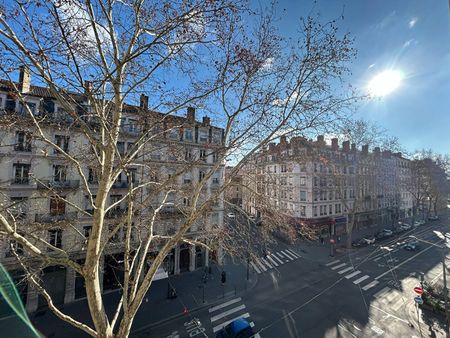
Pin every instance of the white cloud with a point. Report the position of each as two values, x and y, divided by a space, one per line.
268 63
413 22
371 66
77 23
409 43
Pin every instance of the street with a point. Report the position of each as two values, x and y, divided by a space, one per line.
301 292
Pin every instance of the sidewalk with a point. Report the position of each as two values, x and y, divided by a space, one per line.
192 294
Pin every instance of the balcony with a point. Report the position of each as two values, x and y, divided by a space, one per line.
116 212
21 181
48 218
67 184
170 211
22 147
124 184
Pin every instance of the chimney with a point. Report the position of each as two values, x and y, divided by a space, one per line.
271 146
283 139
334 144
387 153
190 114
353 147
376 151
346 145
365 149
320 138
24 79
143 102
88 87
206 120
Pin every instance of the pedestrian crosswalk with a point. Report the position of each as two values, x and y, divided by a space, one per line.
273 260
227 312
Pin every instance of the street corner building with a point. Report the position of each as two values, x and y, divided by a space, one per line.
322 186
34 177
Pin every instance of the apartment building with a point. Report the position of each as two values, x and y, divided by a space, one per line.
233 193
322 186
34 176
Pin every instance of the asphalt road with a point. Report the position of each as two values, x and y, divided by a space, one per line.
365 293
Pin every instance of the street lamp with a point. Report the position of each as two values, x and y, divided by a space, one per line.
444 274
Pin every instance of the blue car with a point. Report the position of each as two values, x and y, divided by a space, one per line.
238 328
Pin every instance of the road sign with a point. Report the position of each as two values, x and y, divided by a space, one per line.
418 300
418 290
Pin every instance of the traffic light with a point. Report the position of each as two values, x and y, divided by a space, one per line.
224 277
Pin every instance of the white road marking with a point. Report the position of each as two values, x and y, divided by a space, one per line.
381 292
267 263
222 325
221 306
255 267
353 274
287 255
376 259
377 330
370 285
404 262
293 253
272 261
280 255
260 264
333 262
228 312
359 280
398 304
338 266
275 257
345 270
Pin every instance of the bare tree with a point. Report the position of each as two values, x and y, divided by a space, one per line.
93 59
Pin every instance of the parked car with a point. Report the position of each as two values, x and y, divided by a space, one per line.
370 240
359 243
383 234
239 328
405 227
231 215
411 246
433 218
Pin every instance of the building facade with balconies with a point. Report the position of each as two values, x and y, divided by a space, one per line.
44 192
323 186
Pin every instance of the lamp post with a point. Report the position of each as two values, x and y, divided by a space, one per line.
444 274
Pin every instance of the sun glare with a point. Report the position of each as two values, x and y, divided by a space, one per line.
385 83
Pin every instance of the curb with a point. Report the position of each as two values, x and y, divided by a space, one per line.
193 310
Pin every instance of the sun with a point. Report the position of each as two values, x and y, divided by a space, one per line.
385 83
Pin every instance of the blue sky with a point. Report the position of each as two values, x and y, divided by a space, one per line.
411 36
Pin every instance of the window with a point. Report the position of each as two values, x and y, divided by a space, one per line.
55 238
321 210
92 176
188 135
330 209
59 173
217 136
302 195
132 175
23 141
214 157
10 103
203 155
62 141
302 181
57 206
173 133
188 154
87 203
21 173
132 126
130 147
121 147
87 230
187 178
24 111
303 210
186 201
203 136
201 175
